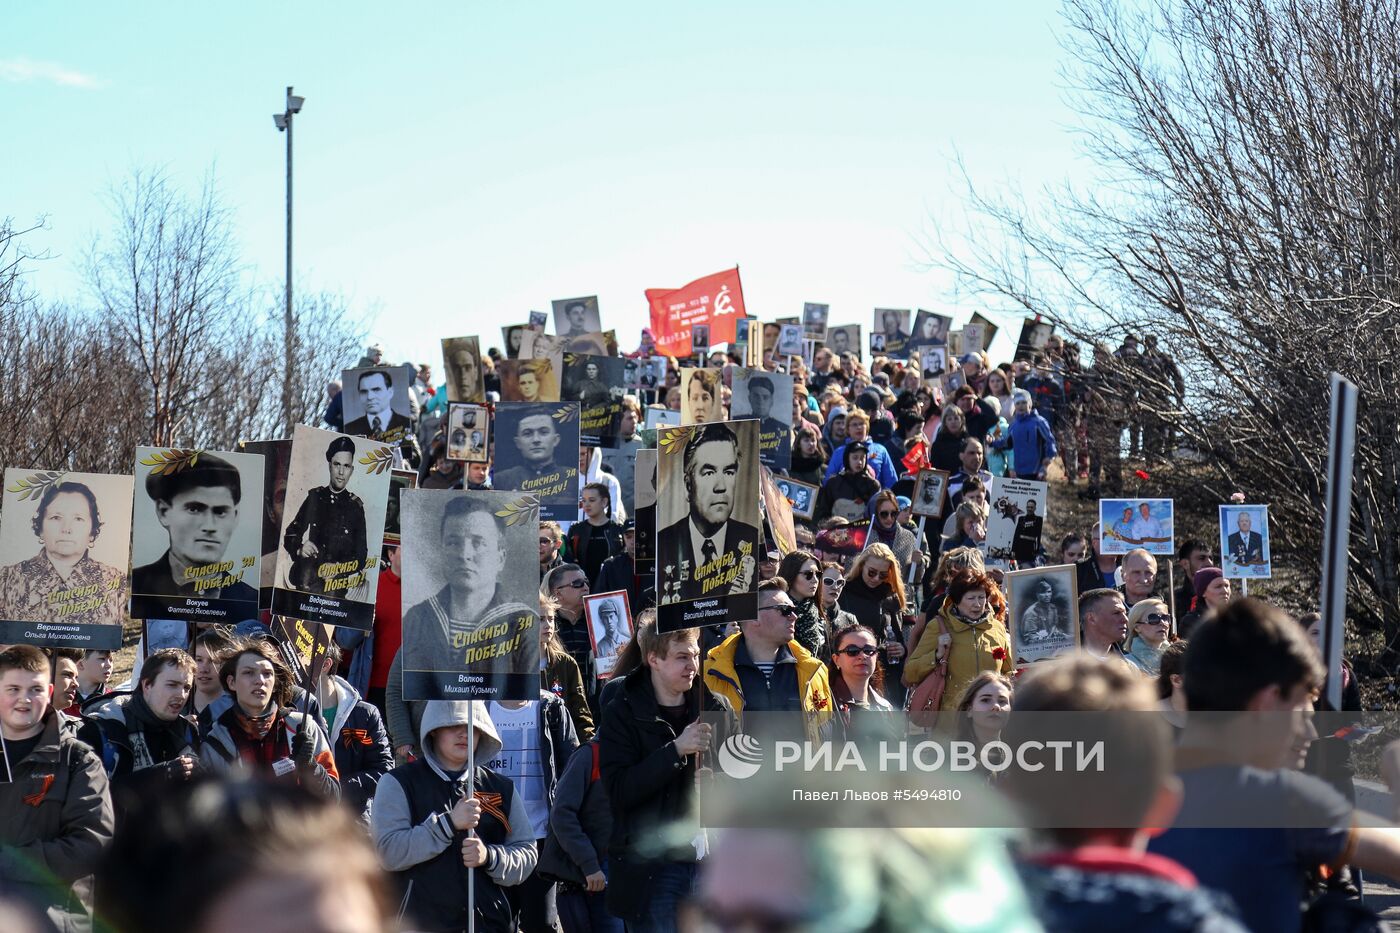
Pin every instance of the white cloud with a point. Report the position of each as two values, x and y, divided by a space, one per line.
19 70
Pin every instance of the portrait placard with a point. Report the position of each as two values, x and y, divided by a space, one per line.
399 480
657 417
303 647
702 398
332 528
603 343
930 493
65 549
1034 335
537 321
708 524
767 398
893 325
789 340
933 361
1015 521
644 509
574 317
814 318
537 451
972 338
470 595
930 330
843 339
461 356
699 339
595 382
1043 609
989 330
376 402
755 346
511 335
877 343
530 380
196 535
277 459
644 372
609 628
1244 542
802 497
1126 524
777 513
535 345
468 432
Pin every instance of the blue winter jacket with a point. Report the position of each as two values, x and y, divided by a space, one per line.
1031 443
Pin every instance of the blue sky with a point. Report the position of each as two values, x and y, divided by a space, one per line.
460 164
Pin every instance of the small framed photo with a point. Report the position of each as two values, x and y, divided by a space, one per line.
814 318
699 338
1127 524
877 342
802 496
1042 609
468 433
609 628
930 492
537 321
790 340
655 417
1244 542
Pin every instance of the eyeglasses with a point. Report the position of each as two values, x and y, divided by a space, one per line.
809 574
575 585
852 651
787 610
886 513
834 581
1157 618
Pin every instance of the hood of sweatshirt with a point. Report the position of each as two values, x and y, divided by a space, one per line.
438 714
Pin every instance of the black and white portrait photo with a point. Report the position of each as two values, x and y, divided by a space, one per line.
699 339
399 480
877 343
843 339
709 524
470 595
574 317
790 340
196 535
65 546
893 325
537 448
930 330
930 490
468 432
801 496
595 382
814 318
702 398
1034 336
767 398
511 336
609 628
1042 610
1015 521
376 402
933 362
333 528
537 321
461 358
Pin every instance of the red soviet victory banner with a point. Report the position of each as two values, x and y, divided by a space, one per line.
717 300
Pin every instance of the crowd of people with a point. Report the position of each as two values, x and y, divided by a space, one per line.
334 803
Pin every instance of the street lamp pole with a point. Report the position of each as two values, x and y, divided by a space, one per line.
284 124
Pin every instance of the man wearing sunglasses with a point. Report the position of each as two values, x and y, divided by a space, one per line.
568 584
763 668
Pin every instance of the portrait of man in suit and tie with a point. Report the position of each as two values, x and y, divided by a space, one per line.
1245 550
709 474
373 405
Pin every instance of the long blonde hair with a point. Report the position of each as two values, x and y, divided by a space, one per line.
883 552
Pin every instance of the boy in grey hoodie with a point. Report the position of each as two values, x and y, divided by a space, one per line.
434 824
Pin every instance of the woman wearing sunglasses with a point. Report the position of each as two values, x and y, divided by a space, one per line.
857 679
833 584
886 529
804 579
874 594
1148 625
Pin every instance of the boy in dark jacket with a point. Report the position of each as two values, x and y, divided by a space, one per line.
432 821
55 812
357 735
650 738
576 851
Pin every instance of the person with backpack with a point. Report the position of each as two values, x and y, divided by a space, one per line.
575 852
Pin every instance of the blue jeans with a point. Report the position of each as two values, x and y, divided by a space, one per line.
670 886
583 912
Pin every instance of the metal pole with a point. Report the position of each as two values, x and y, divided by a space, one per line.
471 791
290 341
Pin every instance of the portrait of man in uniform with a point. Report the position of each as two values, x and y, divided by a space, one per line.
576 317
198 506
462 357
375 390
329 528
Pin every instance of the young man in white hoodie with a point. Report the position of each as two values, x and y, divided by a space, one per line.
439 829
356 733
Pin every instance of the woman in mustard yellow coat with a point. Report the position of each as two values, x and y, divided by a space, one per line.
967 632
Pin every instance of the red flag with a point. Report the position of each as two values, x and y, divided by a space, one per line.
917 458
717 300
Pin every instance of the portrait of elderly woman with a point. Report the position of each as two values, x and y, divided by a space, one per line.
62 582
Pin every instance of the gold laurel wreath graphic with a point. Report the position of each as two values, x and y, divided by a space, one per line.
379 460
519 510
33 486
170 461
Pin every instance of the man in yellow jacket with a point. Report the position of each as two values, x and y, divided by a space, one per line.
763 668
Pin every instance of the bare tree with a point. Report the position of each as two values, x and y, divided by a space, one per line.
1248 213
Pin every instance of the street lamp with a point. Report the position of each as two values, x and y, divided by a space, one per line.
284 123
